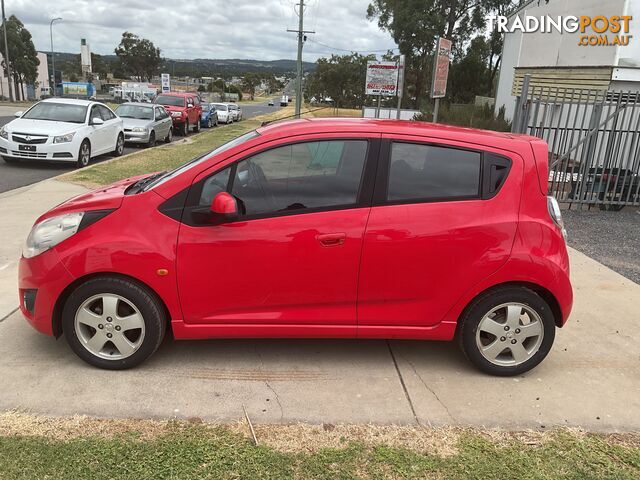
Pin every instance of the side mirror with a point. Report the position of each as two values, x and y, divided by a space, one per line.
189 105
97 121
224 208
18 114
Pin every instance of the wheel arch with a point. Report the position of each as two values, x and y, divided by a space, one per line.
544 293
56 317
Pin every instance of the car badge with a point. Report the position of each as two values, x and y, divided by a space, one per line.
28 138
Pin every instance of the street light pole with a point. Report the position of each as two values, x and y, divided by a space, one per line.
53 58
6 53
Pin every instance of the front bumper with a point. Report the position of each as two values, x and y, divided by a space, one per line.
43 151
136 137
41 281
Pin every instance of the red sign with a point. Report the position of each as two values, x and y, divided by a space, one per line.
441 68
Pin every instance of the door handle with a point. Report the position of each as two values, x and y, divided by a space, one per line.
331 239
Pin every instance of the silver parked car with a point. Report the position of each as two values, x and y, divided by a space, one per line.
145 123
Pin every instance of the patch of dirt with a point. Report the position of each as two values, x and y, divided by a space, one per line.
442 441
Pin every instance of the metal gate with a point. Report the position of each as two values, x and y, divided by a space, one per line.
594 142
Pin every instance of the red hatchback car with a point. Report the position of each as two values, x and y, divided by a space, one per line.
337 228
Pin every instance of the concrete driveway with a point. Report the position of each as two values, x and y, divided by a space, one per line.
591 378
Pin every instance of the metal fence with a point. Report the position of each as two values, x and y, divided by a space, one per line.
594 142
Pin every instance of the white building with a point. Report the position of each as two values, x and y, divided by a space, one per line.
42 80
556 59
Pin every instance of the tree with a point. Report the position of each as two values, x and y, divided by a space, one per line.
340 77
250 81
415 25
465 73
22 54
138 57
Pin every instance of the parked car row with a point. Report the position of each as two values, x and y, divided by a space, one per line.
70 130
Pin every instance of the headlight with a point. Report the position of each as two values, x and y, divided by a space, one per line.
176 114
4 134
139 129
64 138
50 232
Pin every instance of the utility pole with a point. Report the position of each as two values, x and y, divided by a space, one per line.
53 58
301 38
6 53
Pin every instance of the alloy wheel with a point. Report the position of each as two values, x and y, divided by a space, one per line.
509 334
109 326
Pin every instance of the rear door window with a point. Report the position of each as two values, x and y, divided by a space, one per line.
422 172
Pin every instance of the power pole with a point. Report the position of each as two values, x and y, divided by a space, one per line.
301 38
6 53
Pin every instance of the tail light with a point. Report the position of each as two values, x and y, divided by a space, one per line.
556 215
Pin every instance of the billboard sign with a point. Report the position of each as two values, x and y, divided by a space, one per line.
166 82
382 78
441 68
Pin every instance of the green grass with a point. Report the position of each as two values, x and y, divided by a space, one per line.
188 451
166 157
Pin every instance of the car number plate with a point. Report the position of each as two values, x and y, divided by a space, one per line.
27 148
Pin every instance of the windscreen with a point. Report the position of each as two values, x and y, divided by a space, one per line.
170 101
135 111
57 112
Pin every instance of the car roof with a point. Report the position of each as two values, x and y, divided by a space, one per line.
70 101
383 126
141 104
178 94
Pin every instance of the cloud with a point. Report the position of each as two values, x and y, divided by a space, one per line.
254 29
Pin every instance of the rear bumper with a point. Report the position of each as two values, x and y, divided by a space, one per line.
41 281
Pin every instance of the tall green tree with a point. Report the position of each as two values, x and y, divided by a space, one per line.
250 81
138 57
22 55
415 24
340 77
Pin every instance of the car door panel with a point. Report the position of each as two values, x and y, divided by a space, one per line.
285 268
419 258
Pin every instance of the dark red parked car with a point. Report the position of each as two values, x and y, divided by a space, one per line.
313 228
185 110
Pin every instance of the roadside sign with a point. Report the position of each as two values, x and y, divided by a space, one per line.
382 78
441 68
166 82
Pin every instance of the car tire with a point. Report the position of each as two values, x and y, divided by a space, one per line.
137 323
169 136
209 123
185 128
494 336
197 126
84 154
152 139
11 160
119 151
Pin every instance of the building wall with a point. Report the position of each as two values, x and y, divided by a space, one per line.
562 50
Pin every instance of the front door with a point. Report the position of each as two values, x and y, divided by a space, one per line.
436 228
292 258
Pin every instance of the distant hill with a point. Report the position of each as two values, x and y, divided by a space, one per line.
208 67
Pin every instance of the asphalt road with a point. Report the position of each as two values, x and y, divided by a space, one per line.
26 173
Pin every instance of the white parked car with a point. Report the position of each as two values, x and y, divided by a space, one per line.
236 113
64 130
224 114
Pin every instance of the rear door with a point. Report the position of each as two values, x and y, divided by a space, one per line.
444 217
292 258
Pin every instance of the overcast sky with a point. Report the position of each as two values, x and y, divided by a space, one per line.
252 29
